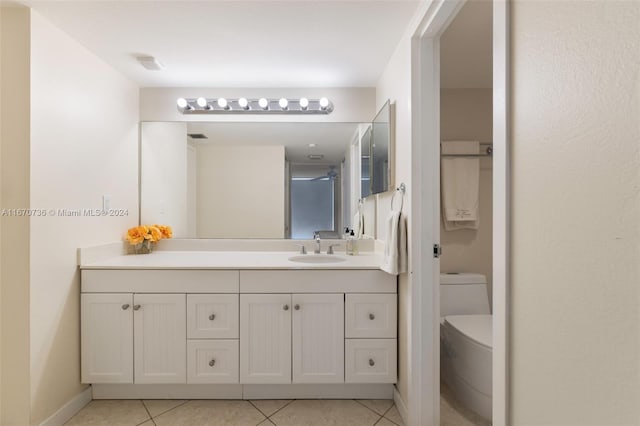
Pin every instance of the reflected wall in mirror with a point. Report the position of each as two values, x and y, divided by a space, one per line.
382 151
251 180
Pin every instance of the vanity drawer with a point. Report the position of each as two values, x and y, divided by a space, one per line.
370 360
213 316
159 281
371 315
213 361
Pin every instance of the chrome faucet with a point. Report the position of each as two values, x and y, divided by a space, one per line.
317 250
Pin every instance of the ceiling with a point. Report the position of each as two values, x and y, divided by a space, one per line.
332 139
216 43
466 48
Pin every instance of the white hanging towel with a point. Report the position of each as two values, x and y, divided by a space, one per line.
394 260
358 224
460 182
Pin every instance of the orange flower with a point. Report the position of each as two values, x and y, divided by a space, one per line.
135 235
166 230
155 234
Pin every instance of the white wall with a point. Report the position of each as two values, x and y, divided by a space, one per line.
466 114
14 193
163 176
395 85
575 325
84 143
240 191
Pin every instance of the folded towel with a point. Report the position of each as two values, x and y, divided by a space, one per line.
460 183
394 260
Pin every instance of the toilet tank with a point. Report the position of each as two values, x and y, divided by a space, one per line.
463 294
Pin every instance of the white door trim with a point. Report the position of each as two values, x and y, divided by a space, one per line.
501 212
424 398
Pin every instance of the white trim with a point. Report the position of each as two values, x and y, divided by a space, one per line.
315 391
162 391
69 409
424 398
501 212
401 406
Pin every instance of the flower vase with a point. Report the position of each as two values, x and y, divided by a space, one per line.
144 247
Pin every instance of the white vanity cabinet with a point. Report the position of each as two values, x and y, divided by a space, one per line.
120 331
267 333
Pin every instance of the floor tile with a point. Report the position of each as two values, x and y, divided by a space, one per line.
385 422
321 412
159 406
267 423
269 406
394 416
148 423
380 406
107 412
212 413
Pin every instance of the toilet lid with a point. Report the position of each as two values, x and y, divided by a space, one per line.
476 327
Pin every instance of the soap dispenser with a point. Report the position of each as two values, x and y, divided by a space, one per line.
352 244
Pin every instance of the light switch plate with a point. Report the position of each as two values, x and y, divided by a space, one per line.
106 202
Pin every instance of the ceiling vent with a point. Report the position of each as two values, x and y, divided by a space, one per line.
150 63
197 136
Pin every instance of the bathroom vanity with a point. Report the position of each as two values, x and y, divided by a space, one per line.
238 325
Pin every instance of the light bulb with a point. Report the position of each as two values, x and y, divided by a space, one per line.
304 103
283 103
222 103
324 103
202 102
264 104
182 103
244 103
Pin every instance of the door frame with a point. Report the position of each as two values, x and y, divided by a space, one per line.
424 399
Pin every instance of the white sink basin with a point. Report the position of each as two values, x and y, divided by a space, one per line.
317 258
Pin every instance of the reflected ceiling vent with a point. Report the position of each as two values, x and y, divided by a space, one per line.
197 136
315 156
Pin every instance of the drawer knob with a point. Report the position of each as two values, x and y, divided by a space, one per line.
125 306
212 317
297 307
285 307
136 307
372 362
372 317
212 363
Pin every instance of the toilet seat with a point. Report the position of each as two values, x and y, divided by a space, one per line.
477 328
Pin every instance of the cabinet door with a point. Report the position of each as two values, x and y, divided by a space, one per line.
107 338
318 338
265 338
160 338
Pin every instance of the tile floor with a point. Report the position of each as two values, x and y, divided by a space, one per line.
299 412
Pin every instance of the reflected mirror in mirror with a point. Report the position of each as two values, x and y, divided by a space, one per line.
365 168
251 180
381 146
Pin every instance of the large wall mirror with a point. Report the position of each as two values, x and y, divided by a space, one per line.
252 180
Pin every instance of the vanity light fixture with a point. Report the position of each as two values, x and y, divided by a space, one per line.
312 145
184 105
203 105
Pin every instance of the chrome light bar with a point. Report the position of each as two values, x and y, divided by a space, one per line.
254 106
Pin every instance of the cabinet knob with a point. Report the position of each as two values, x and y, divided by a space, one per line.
372 317
212 363
285 307
372 362
136 307
125 306
212 317
297 307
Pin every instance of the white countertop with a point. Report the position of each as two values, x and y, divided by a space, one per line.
230 260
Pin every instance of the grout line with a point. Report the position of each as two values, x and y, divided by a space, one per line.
369 408
170 409
259 410
148 413
281 408
378 421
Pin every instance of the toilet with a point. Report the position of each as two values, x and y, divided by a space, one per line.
466 340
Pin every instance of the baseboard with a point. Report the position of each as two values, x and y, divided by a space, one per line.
69 409
401 406
167 391
318 391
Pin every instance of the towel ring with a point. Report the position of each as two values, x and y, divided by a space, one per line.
402 189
